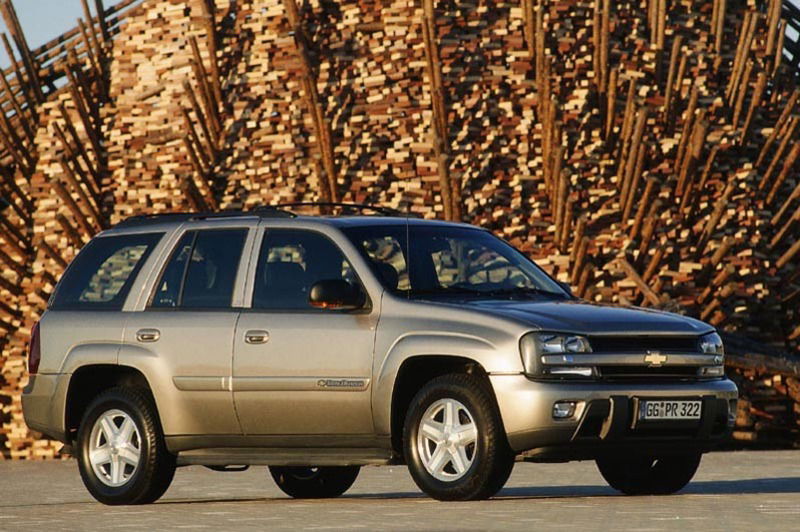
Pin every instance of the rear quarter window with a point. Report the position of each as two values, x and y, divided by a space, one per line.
101 275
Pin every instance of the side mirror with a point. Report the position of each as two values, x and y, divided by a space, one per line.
566 287
336 294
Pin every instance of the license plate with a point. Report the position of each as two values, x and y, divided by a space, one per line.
662 409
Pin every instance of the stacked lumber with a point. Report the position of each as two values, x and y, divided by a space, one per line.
791 15
768 414
165 132
54 163
769 410
644 151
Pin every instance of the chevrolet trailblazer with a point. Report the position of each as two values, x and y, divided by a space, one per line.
319 344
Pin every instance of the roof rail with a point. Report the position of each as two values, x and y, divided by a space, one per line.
282 210
346 207
272 211
147 219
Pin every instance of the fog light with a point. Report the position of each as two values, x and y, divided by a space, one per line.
564 409
711 371
570 371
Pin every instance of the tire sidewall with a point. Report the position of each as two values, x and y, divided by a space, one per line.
326 482
427 482
649 475
138 484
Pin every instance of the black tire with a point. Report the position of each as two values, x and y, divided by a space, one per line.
492 458
156 468
648 475
314 482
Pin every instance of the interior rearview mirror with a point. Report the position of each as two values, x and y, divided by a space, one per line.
336 294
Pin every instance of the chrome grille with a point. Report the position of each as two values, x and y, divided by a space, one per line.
643 344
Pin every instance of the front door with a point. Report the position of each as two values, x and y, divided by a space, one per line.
300 370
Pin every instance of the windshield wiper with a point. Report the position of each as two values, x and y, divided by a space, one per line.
524 290
447 290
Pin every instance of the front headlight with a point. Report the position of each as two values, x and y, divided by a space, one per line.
711 343
534 345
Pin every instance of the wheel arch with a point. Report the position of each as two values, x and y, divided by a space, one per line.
88 381
455 350
413 374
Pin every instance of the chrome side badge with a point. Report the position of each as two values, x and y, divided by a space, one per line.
341 383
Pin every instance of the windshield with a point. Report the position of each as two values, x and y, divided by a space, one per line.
446 260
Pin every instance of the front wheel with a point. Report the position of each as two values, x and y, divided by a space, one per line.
122 457
314 482
454 441
649 475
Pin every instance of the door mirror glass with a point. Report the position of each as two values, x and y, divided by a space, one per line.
335 294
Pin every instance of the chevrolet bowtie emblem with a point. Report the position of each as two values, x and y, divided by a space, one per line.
654 358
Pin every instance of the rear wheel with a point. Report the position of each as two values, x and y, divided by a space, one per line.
122 457
454 442
314 482
648 475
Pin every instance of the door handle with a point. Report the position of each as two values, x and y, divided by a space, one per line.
148 335
256 337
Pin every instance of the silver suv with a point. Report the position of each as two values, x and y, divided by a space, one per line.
319 344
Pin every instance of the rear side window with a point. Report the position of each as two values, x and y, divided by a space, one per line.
169 287
202 270
101 275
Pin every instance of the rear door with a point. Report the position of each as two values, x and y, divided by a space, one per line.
300 370
184 335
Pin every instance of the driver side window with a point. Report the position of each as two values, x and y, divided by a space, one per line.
290 262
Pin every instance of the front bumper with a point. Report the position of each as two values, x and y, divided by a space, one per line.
604 418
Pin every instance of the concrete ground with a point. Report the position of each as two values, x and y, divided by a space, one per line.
732 491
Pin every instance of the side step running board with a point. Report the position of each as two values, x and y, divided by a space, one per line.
304 456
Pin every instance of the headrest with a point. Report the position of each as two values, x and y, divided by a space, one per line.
388 274
284 273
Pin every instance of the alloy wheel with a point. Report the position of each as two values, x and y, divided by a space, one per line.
446 439
115 448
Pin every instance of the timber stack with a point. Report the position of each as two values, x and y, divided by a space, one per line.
646 151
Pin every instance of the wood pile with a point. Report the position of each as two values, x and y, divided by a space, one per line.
769 385
645 151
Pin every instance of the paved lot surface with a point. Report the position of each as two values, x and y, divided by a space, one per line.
732 491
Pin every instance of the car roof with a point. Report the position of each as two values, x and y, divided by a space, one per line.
362 221
283 218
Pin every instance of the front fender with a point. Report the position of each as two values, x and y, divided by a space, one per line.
493 358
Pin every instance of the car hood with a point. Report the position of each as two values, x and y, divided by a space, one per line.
582 317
